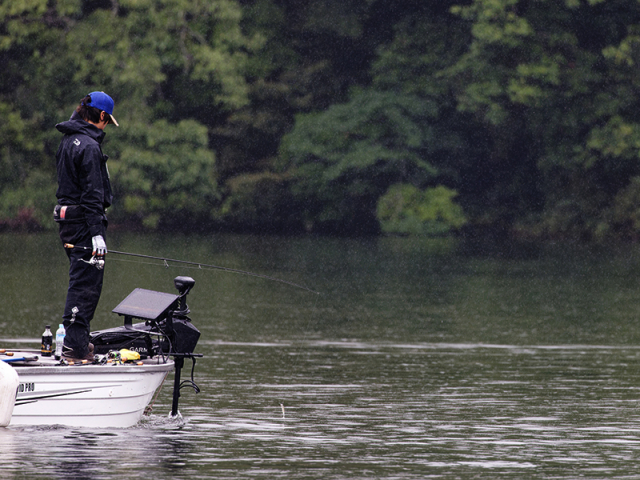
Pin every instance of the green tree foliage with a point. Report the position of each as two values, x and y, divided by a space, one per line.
406 210
260 202
168 64
23 34
312 53
395 131
165 174
549 82
284 115
345 158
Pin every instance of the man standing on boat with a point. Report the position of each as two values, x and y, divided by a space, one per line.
84 193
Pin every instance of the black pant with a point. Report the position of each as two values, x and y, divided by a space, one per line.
85 286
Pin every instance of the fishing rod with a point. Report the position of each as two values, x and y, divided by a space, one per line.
98 263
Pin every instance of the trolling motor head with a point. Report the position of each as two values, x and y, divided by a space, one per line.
184 286
165 314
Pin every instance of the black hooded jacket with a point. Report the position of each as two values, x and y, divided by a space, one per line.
83 178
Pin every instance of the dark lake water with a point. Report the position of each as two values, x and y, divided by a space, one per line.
419 359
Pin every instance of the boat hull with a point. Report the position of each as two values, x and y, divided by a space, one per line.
102 396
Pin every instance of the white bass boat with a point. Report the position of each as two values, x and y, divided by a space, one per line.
111 391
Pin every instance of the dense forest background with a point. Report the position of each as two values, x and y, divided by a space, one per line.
334 116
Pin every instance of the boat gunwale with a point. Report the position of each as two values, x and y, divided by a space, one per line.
92 369
150 365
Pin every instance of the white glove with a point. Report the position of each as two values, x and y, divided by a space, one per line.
99 247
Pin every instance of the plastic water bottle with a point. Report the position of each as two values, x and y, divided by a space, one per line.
60 333
47 342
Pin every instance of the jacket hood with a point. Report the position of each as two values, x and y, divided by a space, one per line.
78 126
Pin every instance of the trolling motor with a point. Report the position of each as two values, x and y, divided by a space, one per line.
166 331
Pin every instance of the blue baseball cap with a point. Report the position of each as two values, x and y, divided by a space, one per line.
104 102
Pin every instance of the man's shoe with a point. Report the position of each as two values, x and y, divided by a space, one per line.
70 354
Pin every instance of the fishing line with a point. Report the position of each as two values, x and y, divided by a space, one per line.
298 354
149 408
122 260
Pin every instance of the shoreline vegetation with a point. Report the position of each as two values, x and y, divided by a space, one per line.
511 118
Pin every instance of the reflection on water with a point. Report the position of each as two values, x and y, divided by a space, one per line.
418 361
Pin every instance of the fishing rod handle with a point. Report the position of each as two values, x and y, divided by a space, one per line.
71 245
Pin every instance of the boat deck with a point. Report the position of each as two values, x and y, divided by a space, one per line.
33 358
